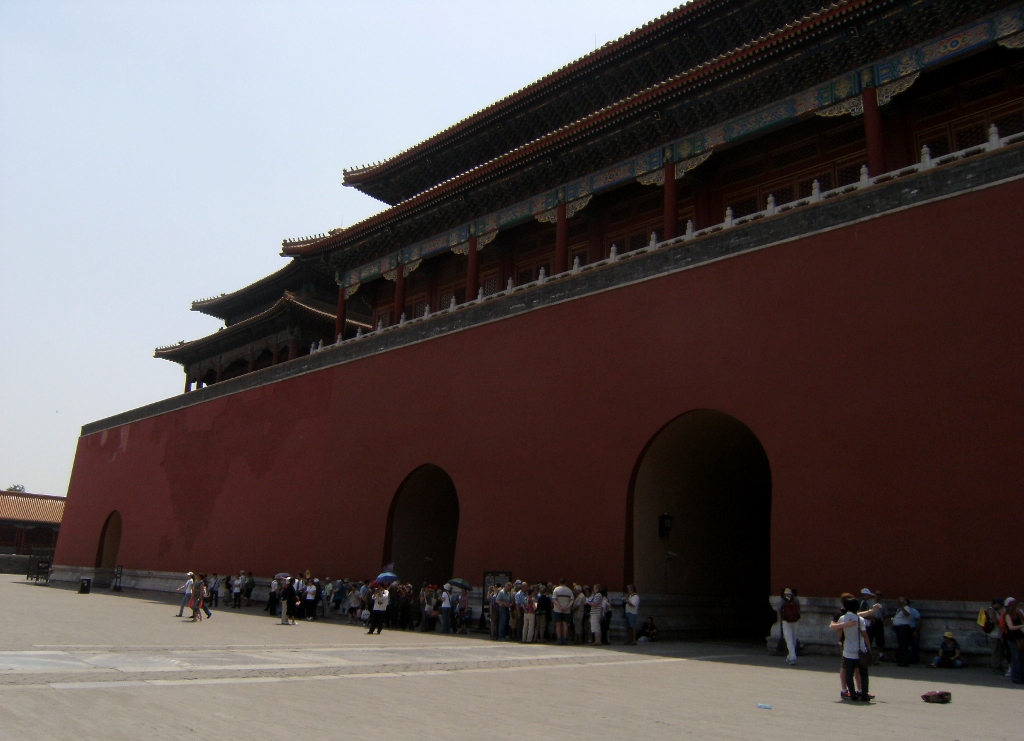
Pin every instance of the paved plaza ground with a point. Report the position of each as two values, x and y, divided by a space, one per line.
120 666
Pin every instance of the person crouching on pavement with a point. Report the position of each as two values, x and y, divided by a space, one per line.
949 653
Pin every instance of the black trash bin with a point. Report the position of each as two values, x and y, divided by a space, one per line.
85 586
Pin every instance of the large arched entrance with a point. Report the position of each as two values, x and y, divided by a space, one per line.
701 523
423 525
110 541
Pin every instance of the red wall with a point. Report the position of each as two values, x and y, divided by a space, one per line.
879 365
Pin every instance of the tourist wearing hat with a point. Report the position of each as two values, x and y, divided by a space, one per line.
789 615
949 653
187 597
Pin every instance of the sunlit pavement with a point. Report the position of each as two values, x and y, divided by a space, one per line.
109 666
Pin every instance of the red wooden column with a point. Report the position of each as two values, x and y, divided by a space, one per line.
293 348
561 240
339 320
220 372
188 382
472 271
596 238
399 292
670 221
873 132
252 362
274 359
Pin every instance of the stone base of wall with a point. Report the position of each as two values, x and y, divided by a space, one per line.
13 564
937 617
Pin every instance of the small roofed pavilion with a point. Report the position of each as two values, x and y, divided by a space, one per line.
278 318
29 521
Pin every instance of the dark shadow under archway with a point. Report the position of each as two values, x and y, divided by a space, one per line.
423 526
711 570
110 542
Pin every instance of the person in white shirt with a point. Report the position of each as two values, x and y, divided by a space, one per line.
855 641
561 611
596 602
632 610
446 608
903 623
381 598
186 598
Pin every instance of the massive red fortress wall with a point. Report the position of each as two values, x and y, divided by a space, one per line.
877 364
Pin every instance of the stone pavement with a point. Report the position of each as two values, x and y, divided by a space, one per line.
108 666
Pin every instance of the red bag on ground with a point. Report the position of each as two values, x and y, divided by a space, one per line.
940 696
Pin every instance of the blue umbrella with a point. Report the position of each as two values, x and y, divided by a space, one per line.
387 577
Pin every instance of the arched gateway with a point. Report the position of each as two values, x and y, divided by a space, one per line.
423 526
110 542
700 530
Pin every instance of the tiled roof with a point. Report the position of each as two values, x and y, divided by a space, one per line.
31 507
355 175
596 120
311 308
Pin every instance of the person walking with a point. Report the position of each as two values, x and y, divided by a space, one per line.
236 590
789 614
632 613
187 596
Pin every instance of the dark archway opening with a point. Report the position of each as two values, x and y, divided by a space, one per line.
110 542
423 526
701 527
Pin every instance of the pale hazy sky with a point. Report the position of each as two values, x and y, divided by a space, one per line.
152 153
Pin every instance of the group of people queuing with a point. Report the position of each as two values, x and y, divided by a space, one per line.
861 630
580 614
519 611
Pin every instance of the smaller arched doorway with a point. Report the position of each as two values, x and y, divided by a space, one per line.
423 526
110 542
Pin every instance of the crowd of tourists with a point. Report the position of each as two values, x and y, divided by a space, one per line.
515 611
861 630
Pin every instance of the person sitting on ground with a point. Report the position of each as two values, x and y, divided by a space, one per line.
949 653
648 631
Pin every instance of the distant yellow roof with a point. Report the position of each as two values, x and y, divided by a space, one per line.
31 507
